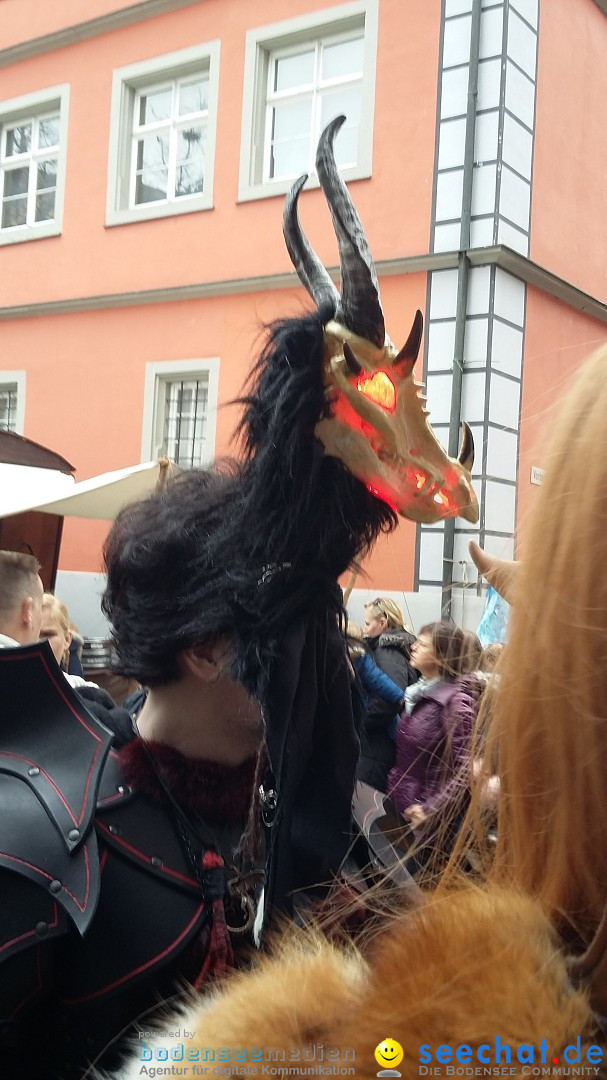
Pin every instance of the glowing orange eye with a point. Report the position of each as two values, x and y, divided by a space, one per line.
442 499
379 388
420 480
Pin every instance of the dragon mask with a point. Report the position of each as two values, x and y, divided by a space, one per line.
377 423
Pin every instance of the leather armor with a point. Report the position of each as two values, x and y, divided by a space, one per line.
82 857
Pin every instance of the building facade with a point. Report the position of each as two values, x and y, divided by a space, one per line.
144 156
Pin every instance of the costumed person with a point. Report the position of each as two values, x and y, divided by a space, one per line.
390 644
126 873
508 973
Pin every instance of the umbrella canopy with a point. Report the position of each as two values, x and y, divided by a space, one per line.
49 491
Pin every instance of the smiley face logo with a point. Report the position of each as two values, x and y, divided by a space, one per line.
389 1053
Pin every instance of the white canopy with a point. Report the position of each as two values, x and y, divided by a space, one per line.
23 488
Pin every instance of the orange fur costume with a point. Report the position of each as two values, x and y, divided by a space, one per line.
460 968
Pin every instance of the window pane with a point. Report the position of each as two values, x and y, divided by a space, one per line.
190 161
349 103
190 143
151 185
45 206
19 140
15 181
343 58
48 132
193 97
292 119
189 178
344 101
291 71
289 159
185 419
47 174
152 151
155 105
8 407
14 212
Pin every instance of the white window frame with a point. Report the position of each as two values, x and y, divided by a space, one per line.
127 82
266 40
158 375
16 378
33 107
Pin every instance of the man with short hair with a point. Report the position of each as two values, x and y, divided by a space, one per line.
21 592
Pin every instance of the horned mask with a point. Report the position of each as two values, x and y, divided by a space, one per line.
377 423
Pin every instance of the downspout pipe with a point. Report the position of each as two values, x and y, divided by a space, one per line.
463 273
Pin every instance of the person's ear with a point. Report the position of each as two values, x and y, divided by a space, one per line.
66 651
27 612
205 662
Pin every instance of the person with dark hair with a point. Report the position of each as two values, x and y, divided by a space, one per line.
431 777
472 652
172 807
21 592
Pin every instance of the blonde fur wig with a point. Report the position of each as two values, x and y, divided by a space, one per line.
548 725
462 969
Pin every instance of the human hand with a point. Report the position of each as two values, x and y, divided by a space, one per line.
415 815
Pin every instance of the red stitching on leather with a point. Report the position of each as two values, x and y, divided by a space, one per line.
142 967
30 933
77 820
30 761
33 993
142 855
24 862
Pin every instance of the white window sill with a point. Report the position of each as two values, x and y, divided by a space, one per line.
19 234
153 211
271 188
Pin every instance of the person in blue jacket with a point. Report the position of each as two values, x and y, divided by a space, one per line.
372 680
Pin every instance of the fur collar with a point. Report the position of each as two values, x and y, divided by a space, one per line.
396 639
464 968
221 795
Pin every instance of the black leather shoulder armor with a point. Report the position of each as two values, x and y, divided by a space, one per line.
52 753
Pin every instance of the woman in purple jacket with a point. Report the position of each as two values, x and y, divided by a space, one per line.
430 780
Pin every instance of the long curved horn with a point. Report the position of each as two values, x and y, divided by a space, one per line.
359 301
502 574
466 453
405 361
310 270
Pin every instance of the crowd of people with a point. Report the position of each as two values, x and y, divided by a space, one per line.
190 756
420 754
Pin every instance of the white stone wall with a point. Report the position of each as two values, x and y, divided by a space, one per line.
495 316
